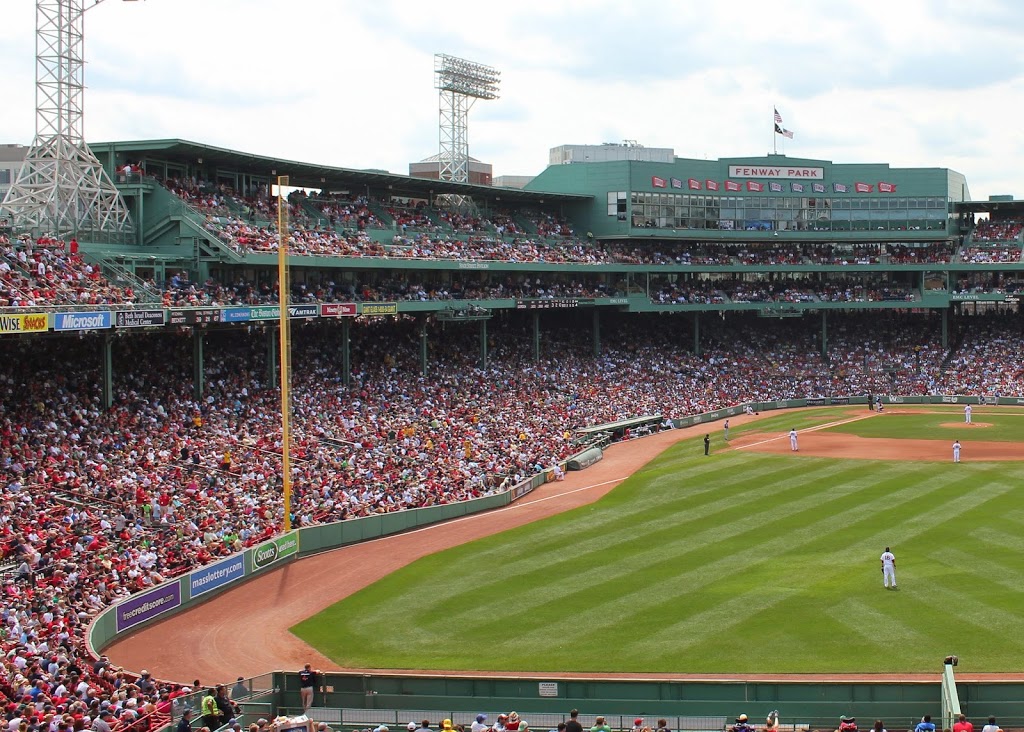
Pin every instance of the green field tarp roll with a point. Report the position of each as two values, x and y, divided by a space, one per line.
585 459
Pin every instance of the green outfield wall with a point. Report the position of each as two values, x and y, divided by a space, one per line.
816 703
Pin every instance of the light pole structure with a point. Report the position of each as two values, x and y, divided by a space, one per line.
459 83
62 188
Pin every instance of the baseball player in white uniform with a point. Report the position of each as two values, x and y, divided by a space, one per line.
967 414
888 568
956 451
792 441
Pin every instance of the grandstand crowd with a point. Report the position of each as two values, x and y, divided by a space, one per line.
46 271
102 503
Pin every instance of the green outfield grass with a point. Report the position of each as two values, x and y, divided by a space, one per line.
1006 426
736 563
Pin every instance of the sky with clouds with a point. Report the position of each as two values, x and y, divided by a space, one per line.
914 83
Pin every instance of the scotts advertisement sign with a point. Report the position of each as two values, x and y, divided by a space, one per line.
267 554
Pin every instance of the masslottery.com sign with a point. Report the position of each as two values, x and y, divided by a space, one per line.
271 552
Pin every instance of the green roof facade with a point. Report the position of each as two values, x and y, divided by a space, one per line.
744 197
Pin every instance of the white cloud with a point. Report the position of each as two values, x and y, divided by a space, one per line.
914 83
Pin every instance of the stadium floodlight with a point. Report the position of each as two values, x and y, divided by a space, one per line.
62 188
459 83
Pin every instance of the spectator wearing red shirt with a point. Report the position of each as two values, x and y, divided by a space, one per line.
962 725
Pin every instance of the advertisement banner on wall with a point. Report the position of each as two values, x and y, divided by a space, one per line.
147 605
378 308
97 320
139 318
339 310
216 575
23 323
303 311
269 553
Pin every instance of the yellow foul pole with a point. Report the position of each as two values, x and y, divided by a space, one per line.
283 288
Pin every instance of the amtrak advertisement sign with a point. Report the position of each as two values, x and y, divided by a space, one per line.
81 321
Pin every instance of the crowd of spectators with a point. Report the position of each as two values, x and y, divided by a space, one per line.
412 217
934 253
986 255
99 504
853 290
988 282
989 359
498 238
405 285
997 230
50 272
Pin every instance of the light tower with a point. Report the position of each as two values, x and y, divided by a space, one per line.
62 188
459 83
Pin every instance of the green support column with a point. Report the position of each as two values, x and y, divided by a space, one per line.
346 352
423 347
945 328
696 334
138 217
483 344
272 352
597 333
108 371
536 336
824 334
198 368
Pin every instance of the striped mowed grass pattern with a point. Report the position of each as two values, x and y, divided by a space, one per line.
737 563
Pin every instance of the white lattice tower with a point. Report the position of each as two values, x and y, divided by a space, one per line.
62 188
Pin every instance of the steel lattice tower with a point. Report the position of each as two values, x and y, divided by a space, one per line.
459 83
62 188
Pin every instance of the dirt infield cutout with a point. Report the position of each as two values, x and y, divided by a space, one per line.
833 445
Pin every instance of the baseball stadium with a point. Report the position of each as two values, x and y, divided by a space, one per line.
636 438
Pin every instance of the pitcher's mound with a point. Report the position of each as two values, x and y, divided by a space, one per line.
958 425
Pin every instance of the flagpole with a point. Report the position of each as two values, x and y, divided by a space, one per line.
775 135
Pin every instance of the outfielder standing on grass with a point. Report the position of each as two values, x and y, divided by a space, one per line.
888 568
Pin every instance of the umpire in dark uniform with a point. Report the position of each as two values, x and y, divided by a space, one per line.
707 444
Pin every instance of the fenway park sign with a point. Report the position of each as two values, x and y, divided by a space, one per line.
776 171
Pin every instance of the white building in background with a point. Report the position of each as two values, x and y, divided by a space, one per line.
608 151
513 181
11 159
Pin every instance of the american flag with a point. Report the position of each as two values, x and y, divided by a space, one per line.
778 117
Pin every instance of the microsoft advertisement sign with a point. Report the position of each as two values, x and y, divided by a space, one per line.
271 552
